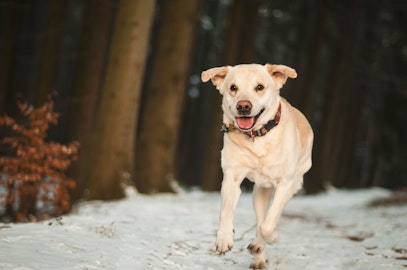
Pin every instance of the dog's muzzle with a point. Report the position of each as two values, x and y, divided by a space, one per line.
246 123
254 133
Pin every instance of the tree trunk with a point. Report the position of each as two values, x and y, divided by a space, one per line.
9 14
88 83
241 35
112 148
331 137
164 95
211 170
23 52
47 70
313 54
338 139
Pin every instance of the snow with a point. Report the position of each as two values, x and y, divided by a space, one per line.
333 230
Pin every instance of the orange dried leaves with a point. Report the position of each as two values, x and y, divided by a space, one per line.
34 159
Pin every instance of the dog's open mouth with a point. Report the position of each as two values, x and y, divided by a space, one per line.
246 123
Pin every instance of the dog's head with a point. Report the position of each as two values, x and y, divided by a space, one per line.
251 93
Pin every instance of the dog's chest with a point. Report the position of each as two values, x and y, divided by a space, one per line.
262 161
261 148
265 172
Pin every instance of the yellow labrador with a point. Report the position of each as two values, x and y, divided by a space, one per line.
266 140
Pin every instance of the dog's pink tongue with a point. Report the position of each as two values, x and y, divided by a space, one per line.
245 122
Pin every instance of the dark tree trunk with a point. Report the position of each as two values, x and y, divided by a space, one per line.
164 96
48 66
330 137
8 19
111 151
88 82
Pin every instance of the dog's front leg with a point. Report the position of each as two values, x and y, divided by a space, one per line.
230 194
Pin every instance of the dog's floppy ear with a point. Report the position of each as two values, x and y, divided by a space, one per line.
216 75
280 73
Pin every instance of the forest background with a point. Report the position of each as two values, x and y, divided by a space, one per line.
127 78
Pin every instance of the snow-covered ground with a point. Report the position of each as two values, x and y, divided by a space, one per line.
334 230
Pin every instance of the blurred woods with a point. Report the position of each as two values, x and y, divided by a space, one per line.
127 74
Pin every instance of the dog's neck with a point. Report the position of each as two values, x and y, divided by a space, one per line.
259 132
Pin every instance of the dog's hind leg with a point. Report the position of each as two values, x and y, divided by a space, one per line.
284 192
261 200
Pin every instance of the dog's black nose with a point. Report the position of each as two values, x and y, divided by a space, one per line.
244 107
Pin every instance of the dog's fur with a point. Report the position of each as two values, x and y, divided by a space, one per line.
275 162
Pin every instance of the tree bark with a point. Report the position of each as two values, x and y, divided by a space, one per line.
48 70
113 139
331 136
241 35
164 96
9 14
313 55
88 83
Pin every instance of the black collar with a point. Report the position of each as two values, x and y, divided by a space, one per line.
259 132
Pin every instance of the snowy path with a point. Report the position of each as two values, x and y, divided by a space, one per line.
334 230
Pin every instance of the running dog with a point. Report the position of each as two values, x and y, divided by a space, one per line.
265 140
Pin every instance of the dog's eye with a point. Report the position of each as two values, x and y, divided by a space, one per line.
259 87
233 88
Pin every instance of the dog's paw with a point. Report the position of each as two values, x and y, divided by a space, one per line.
258 264
224 242
255 248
